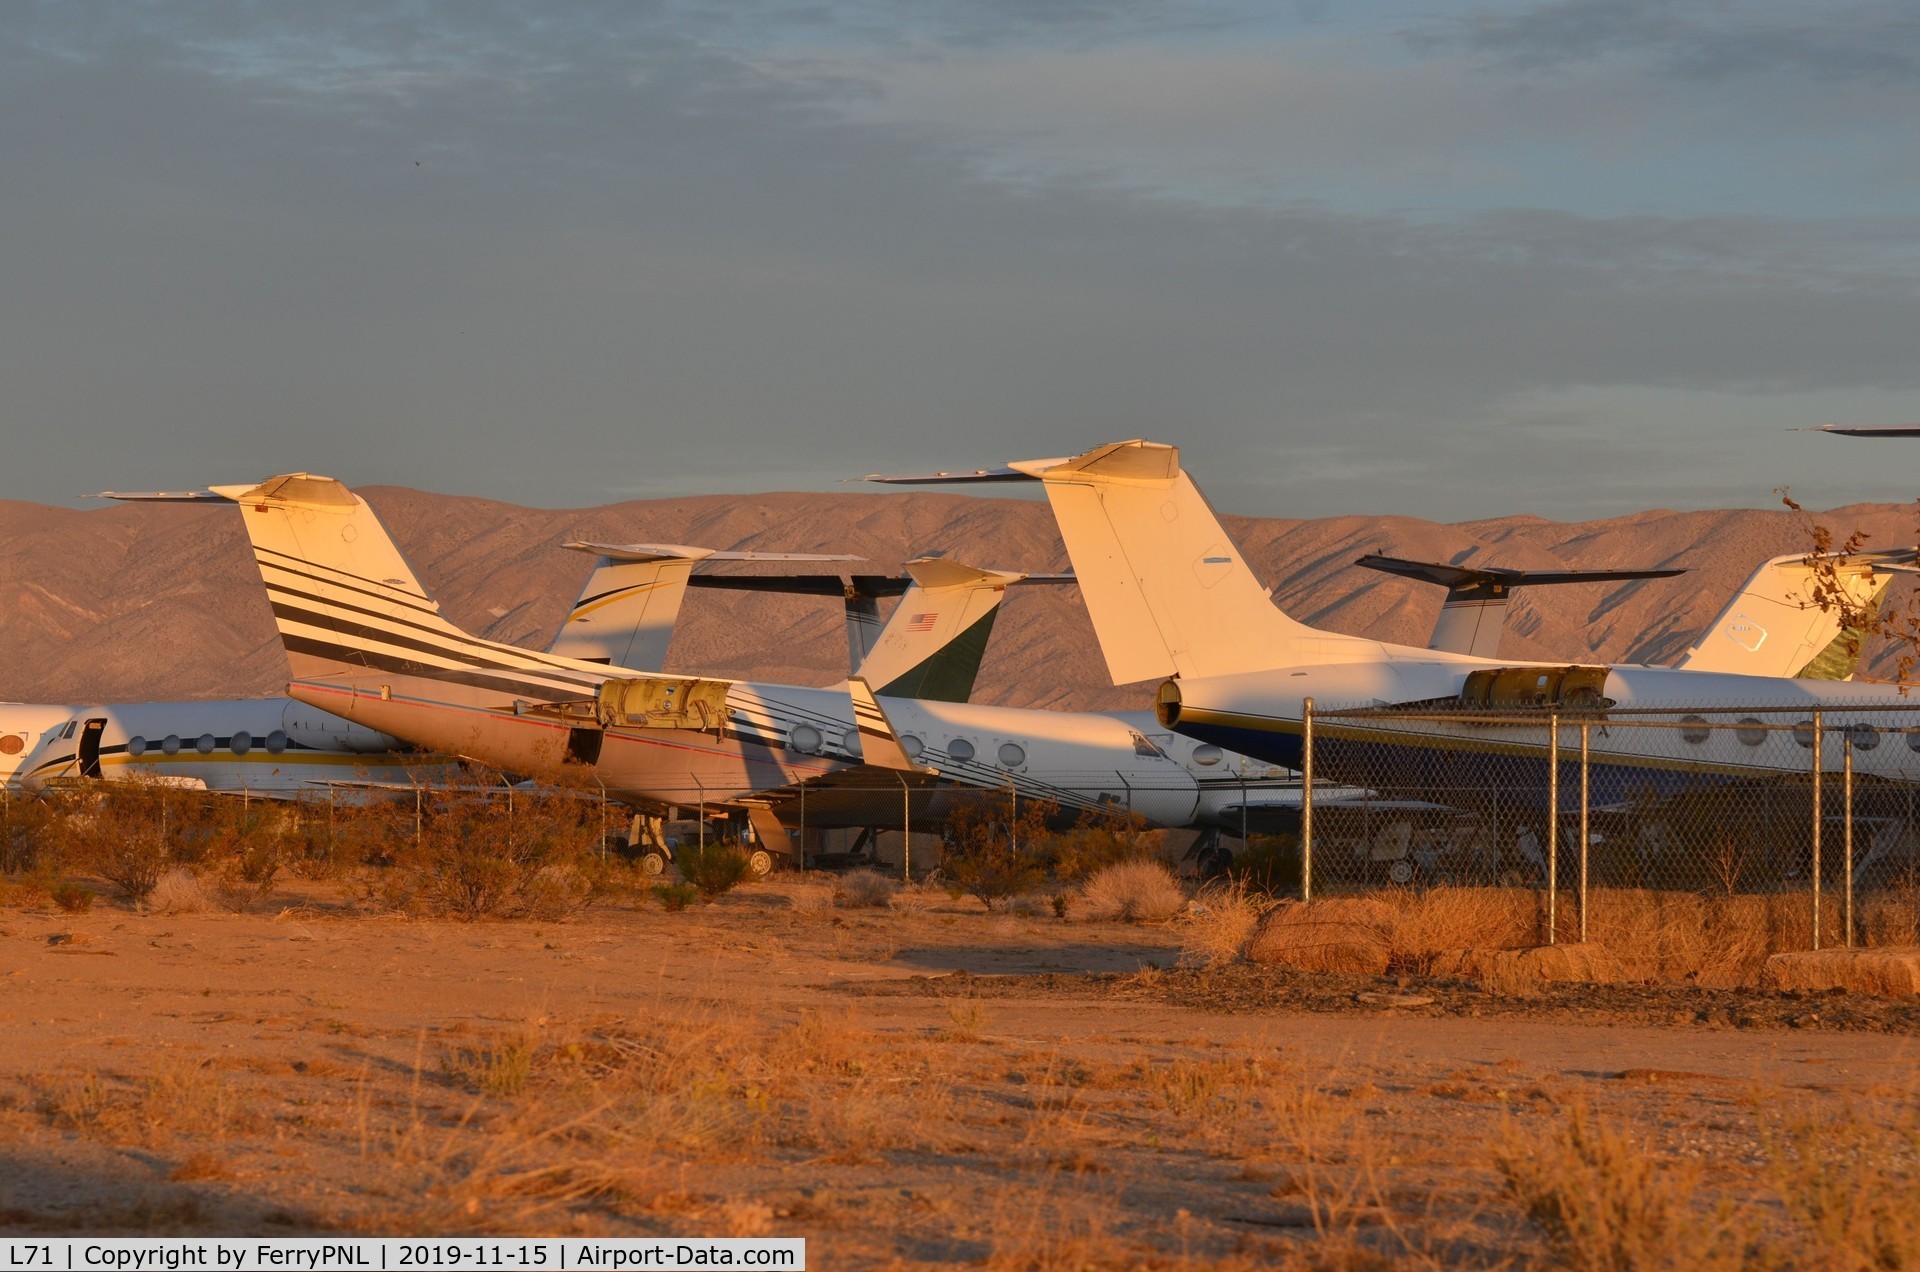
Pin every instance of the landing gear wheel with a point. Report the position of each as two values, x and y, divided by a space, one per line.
1400 872
618 846
653 863
759 863
1214 862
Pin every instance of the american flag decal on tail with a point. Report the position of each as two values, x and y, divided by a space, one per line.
922 622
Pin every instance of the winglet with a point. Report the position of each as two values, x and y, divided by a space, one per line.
879 745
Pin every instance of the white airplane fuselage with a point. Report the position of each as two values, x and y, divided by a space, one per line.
273 747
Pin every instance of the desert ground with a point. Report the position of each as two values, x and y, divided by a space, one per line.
923 1083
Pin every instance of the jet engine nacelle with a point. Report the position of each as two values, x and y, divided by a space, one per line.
321 731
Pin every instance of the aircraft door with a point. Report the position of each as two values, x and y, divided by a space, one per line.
88 752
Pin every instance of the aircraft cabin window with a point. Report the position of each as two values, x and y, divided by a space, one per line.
1803 733
850 741
1865 736
1750 731
136 745
12 744
1206 753
1694 730
1913 739
242 742
171 744
276 742
912 745
205 744
960 749
805 738
1012 755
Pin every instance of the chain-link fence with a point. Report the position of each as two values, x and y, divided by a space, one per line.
1797 826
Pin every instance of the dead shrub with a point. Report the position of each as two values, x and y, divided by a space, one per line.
1220 923
997 846
1102 837
812 900
914 898
1133 891
1428 922
121 834
859 889
72 898
178 891
30 832
1339 934
474 856
1718 941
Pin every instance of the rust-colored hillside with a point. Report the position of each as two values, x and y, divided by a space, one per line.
159 601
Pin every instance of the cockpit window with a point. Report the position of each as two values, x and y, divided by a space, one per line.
1143 746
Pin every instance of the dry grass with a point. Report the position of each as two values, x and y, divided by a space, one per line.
1428 922
1339 934
1220 924
864 889
1607 1203
1133 891
178 891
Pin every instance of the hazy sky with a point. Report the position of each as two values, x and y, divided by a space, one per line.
1574 258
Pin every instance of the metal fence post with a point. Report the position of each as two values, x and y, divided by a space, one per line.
1584 837
1553 827
906 828
1306 799
1846 793
1817 740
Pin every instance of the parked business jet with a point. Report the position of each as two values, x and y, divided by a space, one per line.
1172 598
365 642
1769 628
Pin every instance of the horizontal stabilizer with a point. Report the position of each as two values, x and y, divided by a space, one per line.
649 552
1475 612
159 496
1487 577
1024 470
1868 430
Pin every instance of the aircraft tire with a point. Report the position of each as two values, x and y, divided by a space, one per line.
759 863
618 845
653 863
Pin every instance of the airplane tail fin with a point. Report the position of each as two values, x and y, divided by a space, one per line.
1167 588
626 612
1773 628
932 644
351 610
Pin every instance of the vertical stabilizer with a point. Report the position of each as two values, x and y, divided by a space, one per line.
1773 628
626 612
350 609
1168 590
932 645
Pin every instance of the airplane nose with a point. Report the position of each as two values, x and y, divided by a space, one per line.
1166 704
